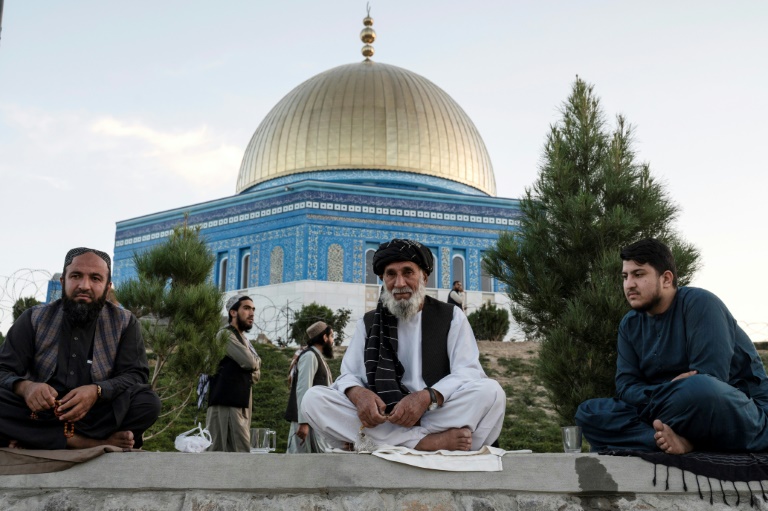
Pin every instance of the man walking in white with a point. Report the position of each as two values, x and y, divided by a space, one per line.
411 375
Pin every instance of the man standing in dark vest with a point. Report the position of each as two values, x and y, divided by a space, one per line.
73 373
411 375
457 297
309 370
229 396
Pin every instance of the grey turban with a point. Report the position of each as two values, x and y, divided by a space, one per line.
83 250
402 250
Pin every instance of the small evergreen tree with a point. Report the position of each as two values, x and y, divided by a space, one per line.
23 304
313 313
180 312
489 323
562 268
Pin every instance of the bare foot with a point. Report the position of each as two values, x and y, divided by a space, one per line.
123 439
669 441
455 439
14 444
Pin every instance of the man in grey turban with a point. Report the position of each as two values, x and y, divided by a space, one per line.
411 375
73 373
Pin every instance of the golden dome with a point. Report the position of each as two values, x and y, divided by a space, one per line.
365 116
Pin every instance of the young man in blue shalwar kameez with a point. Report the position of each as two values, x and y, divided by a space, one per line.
687 378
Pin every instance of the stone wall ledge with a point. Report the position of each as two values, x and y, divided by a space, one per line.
223 481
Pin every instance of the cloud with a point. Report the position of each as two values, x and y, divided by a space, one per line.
52 147
197 156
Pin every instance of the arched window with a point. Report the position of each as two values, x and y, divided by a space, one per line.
245 265
457 270
432 278
223 274
486 281
276 266
370 277
335 263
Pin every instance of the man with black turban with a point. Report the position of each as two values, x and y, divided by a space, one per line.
411 375
73 373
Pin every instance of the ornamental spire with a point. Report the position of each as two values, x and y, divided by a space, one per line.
368 35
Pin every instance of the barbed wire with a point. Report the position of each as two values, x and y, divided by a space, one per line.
758 332
21 284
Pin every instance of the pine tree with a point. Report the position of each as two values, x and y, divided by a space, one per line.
562 268
180 313
23 304
312 313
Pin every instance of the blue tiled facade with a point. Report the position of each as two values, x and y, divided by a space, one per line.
306 217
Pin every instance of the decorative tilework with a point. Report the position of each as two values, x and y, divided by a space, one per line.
335 263
445 267
473 270
407 180
358 262
276 266
437 210
234 262
254 270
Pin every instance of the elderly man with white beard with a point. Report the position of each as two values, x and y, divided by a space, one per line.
411 375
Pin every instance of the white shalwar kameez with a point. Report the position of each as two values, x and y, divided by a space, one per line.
471 399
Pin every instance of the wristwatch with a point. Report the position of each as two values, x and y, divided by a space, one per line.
433 399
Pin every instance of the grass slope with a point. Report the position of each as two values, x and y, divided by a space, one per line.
530 422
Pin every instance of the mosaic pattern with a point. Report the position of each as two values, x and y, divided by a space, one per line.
253 279
364 206
473 269
276 266
409 179
358 262
313 216
335 263
445 267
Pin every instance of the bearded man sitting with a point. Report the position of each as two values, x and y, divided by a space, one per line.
73 373
411 375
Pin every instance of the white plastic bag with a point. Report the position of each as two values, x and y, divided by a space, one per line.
195 440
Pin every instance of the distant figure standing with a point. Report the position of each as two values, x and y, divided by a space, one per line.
457 296
310 370
229 398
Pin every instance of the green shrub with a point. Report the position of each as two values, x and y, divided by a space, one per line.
313 313
489 323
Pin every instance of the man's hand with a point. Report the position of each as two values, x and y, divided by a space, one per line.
684 375
370 407
302 432
77 403
38 396
409 410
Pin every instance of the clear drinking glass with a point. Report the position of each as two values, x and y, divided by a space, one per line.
571 439
263 440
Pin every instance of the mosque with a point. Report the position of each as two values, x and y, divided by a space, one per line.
354 156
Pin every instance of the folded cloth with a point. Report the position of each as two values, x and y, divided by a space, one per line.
33 461
487 459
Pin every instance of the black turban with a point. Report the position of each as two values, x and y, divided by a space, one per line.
402 250
83 250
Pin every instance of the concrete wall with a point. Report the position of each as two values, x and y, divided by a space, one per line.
351 482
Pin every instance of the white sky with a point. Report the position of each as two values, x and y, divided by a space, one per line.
112 110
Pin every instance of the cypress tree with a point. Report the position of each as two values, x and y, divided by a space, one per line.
180 313
562 268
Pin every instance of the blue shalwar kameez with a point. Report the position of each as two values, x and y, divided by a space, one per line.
722 408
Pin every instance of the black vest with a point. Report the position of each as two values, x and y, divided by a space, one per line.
321 378
452 301
436 317
231 385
